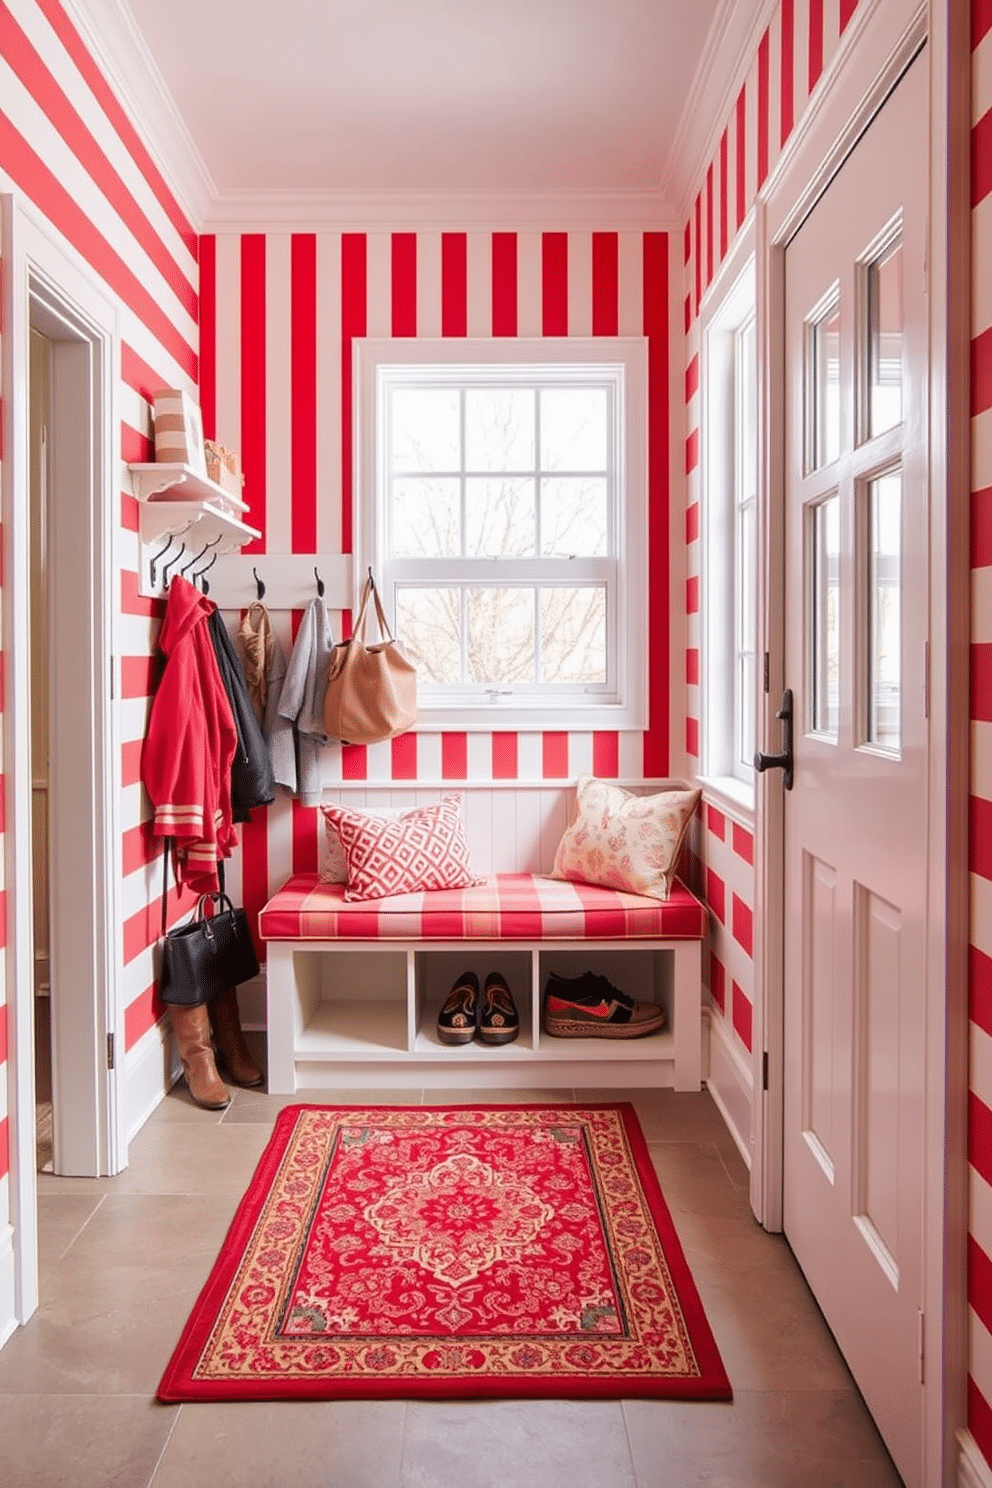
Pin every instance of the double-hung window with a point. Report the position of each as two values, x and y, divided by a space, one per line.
502 508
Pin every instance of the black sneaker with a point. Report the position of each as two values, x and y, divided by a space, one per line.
458 1019
591 1007
499 1022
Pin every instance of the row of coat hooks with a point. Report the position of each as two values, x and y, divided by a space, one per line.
260 586
196 575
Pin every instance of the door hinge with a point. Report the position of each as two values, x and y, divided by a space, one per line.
767 670
110 1051
921 1320
764 1070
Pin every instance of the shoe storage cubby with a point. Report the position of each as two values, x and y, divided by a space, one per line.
361 1015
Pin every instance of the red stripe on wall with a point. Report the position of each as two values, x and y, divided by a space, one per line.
404 757
136 372
980 1136
763 108
815 44
454 284
29 68
253 384
131 761
141 1015
697 237
692 377
980 988
787 59
136 447
716 895
981 528
306 825
4 1148
504 756
686 244
554 284
981 24
980 834
742 921
554 756
724 192
980 1419
692 594
605 283
254 836
3 920
739 152
354 762
208 335
504 284
692 523
105 97
139 847
139 675
709 224
606 754
28 171
981 372
3 1035
716 822
692 666
692 451
129 512
133 603
656 739
692 737
454 756
718 981
981 681
353 320
404 283
847 9
981 159
742 1016
687 312
143 928
303 406
743 843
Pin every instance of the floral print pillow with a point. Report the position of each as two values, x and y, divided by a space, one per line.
624 841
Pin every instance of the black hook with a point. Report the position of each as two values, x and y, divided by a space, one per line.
161 552
201 571
320 584
258 584
167 566
187 566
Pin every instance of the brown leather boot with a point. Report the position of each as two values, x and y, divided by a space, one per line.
232 1051
191 1027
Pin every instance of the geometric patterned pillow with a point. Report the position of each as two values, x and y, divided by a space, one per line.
424 848
624 841
331 859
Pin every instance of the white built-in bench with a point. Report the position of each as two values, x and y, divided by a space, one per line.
354 989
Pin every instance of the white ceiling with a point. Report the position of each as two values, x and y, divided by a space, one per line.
318 97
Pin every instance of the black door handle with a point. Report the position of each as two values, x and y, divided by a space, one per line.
781 761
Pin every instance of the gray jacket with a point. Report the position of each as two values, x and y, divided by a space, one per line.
295 734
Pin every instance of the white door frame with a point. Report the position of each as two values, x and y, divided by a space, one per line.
45 282
876 48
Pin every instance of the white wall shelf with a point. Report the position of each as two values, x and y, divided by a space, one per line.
183 516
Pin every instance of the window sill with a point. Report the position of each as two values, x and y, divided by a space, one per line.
541 717
730 795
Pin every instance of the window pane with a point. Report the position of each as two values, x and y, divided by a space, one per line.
428 622
499 518
747 576
746 733
500 635
426 518
573 429
499 429
573 635
824 621
885 513
573 517
424 429
885 326
823 388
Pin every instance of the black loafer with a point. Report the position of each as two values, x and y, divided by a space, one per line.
499 1022
458 1019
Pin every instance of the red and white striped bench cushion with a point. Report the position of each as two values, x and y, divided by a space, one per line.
505 906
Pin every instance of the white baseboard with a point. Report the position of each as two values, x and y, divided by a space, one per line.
973 1470
729 1082
151 1070
8 1315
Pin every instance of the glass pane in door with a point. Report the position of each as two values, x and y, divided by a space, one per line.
823 614
884 626
885 327
823 387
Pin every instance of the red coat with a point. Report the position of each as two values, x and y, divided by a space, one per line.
190 743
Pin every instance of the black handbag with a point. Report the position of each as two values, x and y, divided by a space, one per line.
206 955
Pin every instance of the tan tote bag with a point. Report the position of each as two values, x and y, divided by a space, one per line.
371 689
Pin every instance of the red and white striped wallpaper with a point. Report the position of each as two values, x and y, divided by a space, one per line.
279 313
980 849
69 152
793 53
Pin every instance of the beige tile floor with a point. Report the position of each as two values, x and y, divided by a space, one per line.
123 1258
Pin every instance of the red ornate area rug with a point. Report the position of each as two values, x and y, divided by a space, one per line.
467 1251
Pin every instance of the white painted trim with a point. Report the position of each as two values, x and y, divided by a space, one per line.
111 36
973 1470
9 1319
426 211
730 1083
151 1068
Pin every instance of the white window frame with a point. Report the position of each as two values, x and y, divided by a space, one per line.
731 305
622 362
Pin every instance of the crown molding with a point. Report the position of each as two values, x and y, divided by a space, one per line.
451 210
112 37
736 32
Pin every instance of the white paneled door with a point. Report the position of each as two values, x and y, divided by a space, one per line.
856 633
